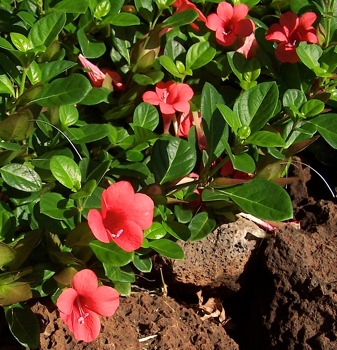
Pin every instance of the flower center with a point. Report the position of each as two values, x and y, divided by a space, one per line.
165 96
83 315
116 235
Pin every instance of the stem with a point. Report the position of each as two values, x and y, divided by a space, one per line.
23 81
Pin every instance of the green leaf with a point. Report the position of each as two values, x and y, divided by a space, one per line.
70 6
68 115
177 230
214 124
231 118
24 326
21 42
52 69
170 66
122 19
327 126
110 253
243 162
155 231
21 177
180 19
96 96
266 139
64 91
6 86
167 248
142 263
199 55
150 78
309 54
66 171
312 108
7 254
146 116
263 199
171 159
89 133
90 48
56 206
201 225
257 105
123 274
46 29
11 293
18 126
7 223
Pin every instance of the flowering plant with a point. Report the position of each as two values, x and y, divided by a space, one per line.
128 126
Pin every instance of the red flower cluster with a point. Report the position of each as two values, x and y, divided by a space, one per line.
230 23
125 214
81 305
102 77
291 30
171 98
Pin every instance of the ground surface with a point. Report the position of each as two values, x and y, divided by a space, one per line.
233 291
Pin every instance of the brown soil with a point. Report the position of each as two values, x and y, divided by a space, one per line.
276 293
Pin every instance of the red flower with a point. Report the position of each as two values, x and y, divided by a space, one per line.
125 214
171 98
102 77
289 32
249 47
183 5
229 23
81 305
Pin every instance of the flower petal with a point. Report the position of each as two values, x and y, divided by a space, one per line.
225 40
89 330
117 197
182 106
307 19
225 11
95 222
240 11
214 22
276 33
131 238
289 21
244 28
141 210
151 97
286 54
104 302
65 302
166 108
85 282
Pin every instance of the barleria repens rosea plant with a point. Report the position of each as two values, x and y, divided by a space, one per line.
128 126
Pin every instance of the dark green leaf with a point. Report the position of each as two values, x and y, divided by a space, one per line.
167 248
201 225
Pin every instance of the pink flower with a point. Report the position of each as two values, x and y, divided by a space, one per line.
125 214
289 32
171 98
249 47
229 23
102 77
81 305
183 5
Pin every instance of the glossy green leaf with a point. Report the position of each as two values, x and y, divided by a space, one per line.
7 222
119 274
21 177
56 206
155 231
110 253
24 326
69 6
96 96
167 248
90 48
312 108
199 54
170 66
214 124
266 139
64 91
122 19
309 54
327 126
180 19
46 29
150 78
142 263
146 116
21 42
201 225
52 69
68 115
171 158
257 105
66 171
177 230
231 118
89 133
6 86
263 199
